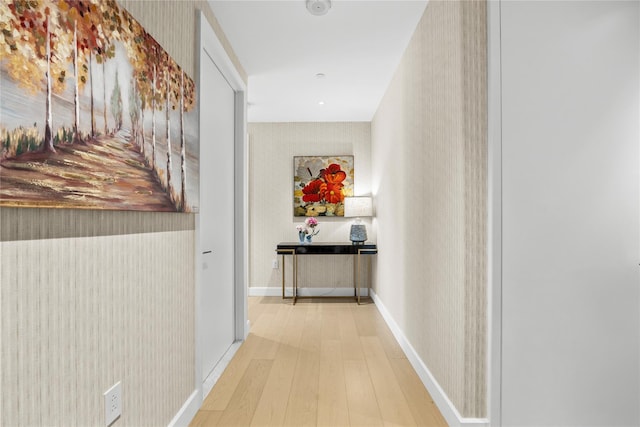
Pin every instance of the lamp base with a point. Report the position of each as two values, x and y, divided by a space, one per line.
358 234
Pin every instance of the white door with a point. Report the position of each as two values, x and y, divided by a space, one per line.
216 214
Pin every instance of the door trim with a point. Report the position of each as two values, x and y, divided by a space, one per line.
494 216
209 44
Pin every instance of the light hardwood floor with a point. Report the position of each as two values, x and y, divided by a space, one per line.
318 363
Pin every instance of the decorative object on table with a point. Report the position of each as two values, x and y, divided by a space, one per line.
308 230
111 83
358 207
320 185
301 232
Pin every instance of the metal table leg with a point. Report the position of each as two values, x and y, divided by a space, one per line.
295 278
365 252
291 252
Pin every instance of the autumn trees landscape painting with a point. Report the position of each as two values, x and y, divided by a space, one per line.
94 114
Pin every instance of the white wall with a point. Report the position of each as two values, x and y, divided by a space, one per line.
570 92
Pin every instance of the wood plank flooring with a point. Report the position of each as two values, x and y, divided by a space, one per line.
318 363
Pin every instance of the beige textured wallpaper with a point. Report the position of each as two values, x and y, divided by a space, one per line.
429 179
271 150
89 298
157 16
81 313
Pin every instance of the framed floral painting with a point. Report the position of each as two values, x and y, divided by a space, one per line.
320 184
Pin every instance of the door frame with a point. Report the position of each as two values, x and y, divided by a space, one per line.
209 44
494 215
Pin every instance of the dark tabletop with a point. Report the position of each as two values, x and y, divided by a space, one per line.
327 248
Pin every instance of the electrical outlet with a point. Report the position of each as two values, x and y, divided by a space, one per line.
274 264
112 404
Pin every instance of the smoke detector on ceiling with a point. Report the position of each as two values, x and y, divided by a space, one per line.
318 7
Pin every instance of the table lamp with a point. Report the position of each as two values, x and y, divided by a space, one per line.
358 207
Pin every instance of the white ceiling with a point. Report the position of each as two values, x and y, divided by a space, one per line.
357 45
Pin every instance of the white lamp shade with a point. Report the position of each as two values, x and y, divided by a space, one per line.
358 206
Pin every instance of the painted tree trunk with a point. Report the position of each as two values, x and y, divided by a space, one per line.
138 122
104 97
183 161
168 134
134 124
47 144
93 117
76 97
142 130
153 120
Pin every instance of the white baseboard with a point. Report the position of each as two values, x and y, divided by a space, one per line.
216 373
187 412
264 291
192 405
447 408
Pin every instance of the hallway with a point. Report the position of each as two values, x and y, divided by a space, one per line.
326 363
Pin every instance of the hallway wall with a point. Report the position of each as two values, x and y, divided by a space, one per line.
89 298
429 184
271 150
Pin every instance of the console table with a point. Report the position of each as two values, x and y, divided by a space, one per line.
321 248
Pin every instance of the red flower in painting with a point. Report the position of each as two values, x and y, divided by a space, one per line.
333 194
314 191
333 174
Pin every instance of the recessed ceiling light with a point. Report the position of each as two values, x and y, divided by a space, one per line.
320 76
321 103
318 7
